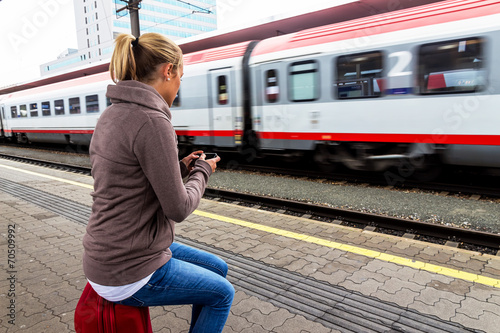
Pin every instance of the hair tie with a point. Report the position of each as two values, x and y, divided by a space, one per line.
135 42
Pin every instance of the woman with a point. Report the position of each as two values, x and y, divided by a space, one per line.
129 254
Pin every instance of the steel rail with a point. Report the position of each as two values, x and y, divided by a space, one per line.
455 234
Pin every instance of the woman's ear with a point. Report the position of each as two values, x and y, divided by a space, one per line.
168 70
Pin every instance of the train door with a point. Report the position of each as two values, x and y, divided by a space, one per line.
2 117
270 120
222 113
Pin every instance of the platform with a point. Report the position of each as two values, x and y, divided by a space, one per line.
290 274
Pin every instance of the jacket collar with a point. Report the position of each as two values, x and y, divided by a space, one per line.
131 91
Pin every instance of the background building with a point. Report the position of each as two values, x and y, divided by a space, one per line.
98 22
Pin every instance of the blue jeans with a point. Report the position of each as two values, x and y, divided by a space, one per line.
195 277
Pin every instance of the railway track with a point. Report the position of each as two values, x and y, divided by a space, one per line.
483 242
458 182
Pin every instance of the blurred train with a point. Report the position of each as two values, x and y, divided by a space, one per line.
419 84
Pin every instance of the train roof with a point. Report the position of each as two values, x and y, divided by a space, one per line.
218 53
441 12
76 82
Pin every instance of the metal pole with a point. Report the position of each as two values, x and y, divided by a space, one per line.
134 22
133 8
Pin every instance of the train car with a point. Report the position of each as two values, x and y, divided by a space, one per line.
419 84
213 103
65 112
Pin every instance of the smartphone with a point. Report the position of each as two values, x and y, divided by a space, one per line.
210 155
207 157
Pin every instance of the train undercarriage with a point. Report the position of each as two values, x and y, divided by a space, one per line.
378 157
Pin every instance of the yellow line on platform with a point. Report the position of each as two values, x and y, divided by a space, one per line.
319 241
49 177
359 250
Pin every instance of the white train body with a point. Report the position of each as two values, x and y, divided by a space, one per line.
210 111
64 112
460 126
418 84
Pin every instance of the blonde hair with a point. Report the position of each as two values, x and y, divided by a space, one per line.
138 59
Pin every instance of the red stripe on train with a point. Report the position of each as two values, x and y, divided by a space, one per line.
50 131
382 137
346 137
228 133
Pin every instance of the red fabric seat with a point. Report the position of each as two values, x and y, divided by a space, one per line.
436 81
94 314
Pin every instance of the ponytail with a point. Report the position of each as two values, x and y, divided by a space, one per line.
138 60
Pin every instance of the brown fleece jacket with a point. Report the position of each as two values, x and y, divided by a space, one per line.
138 188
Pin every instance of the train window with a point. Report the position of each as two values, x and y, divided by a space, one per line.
13 112
359 75
59 107
23 111
74 105
222 89
304 81
272 88
177 99
45 108
108 101
33 109
92 103
451 66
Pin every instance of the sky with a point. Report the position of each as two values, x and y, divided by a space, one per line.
34 32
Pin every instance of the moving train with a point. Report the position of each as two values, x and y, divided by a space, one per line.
419 85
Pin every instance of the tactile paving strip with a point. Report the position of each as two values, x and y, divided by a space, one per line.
332 306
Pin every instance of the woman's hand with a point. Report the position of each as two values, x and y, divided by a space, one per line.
191 158
212 161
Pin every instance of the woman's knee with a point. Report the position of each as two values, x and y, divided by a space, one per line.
222 267
224 294
229 293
